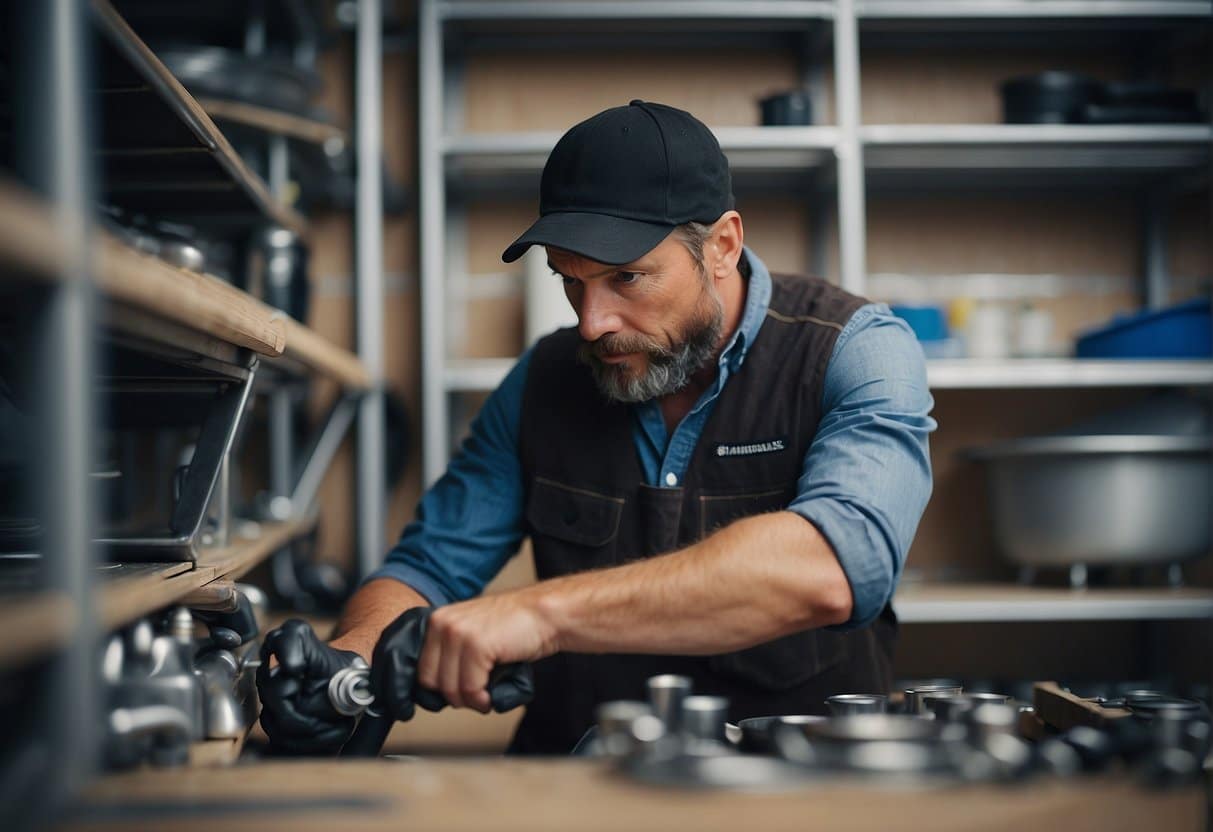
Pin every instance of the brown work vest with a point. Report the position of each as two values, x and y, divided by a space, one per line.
587 507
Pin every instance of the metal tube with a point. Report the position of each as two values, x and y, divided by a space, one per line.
369 270
322 453
56 147
281 444
279 167
848 151
431 214
1154 250
277 269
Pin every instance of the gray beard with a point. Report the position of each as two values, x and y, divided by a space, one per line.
669 369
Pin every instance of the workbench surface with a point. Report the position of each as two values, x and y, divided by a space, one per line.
563 794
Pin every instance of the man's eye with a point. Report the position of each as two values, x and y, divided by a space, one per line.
626 277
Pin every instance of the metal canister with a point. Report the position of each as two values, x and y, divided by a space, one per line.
703 718
845 704
951 707
666 695
913 700
626 727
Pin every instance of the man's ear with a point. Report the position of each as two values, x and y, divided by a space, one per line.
725 245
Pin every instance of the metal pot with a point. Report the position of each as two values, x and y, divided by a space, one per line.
1066 500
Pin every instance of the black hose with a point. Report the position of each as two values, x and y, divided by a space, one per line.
368 738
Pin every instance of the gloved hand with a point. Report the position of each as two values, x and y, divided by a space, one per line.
295 709
394 672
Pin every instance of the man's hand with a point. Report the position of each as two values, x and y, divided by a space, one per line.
461 645
296 712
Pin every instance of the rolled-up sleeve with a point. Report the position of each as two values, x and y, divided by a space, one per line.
470 522
866 478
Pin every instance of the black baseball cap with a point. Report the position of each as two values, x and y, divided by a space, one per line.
619 182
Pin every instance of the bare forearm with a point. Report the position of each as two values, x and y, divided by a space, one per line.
757 579
369 610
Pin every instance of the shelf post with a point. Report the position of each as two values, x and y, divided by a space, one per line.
1154 250
369 274
54 128
431 213
848 152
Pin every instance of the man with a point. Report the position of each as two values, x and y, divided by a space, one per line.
720 471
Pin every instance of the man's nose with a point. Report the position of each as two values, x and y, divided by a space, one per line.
596 314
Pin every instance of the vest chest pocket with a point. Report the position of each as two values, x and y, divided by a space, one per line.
784 662
576 522
717 509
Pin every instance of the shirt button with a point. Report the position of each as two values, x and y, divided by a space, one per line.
671 480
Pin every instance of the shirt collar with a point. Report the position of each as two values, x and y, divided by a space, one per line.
757 299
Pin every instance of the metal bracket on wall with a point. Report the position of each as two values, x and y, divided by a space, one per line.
211 451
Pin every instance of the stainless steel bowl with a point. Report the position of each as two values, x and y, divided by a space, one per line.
876 728
1066 500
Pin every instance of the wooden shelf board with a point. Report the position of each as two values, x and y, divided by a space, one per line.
234 183
273 121
41 623
154 298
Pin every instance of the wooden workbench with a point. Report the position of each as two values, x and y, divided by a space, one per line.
564 794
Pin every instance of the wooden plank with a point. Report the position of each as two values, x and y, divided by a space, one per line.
200 301
563 794
144 326
314 351
43 622
243 554
29 243
1063 710
143 285
272 121
145 289
221 752
145 62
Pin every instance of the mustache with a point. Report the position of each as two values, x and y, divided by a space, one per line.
620 344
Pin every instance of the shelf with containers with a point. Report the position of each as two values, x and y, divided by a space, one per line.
160 324
1083 155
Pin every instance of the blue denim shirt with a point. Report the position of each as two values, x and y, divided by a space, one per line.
864 484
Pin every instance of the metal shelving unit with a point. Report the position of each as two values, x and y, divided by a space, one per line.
846 161
847 157
107 320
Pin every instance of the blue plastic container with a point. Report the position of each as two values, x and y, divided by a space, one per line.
928 322
1182 331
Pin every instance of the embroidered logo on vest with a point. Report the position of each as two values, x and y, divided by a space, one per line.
770 446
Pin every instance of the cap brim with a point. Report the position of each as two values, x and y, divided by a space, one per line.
599 237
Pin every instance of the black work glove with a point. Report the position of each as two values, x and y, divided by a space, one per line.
295 709
394 672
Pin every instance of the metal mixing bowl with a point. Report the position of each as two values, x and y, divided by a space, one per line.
1065 500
